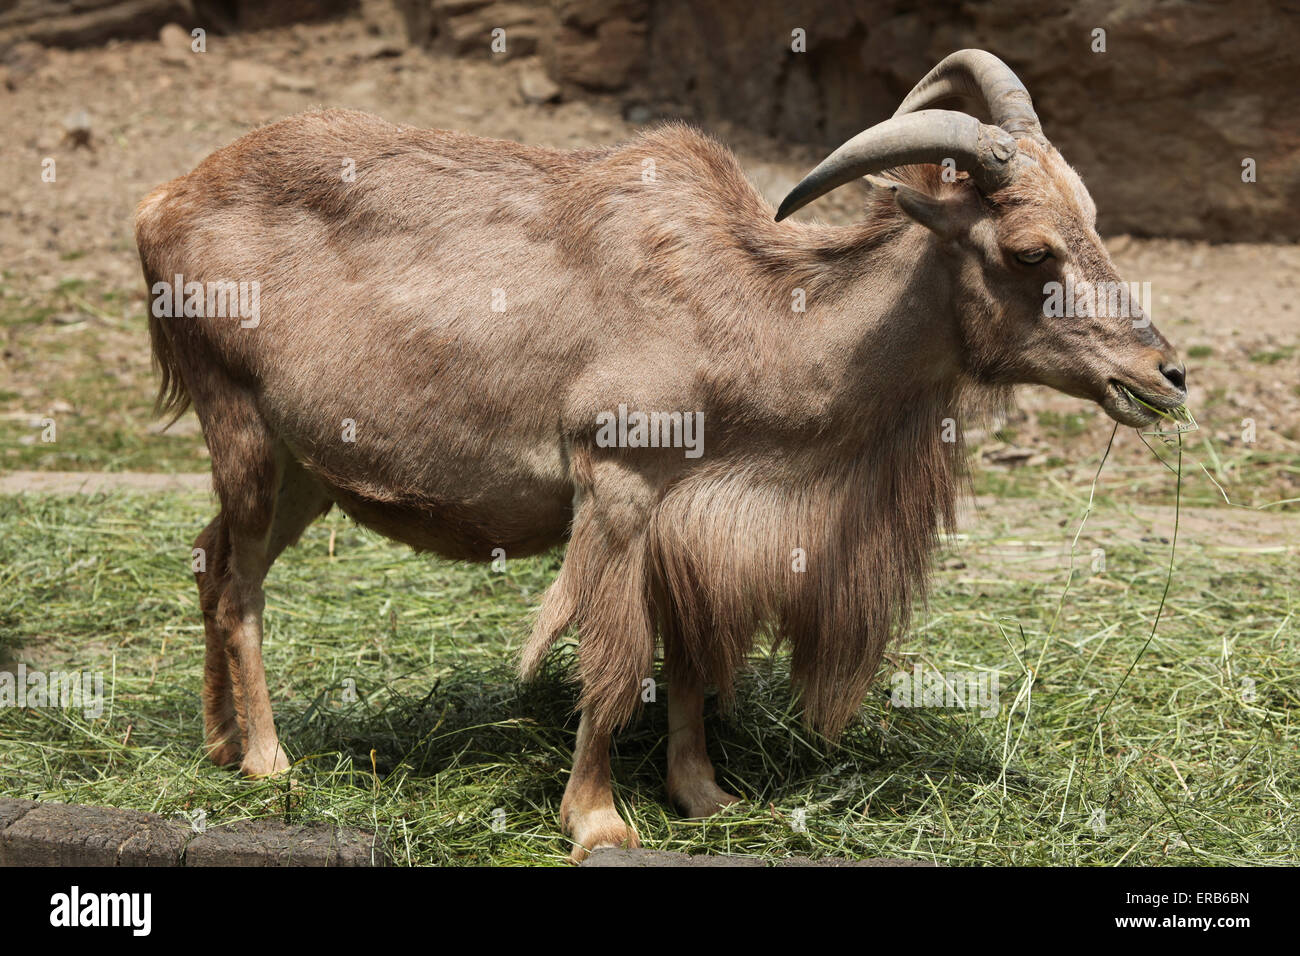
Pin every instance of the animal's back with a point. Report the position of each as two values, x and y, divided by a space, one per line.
399 275
469 304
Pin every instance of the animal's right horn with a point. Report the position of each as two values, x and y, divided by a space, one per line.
928 136
979 75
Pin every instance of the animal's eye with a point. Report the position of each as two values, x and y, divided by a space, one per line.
1033 257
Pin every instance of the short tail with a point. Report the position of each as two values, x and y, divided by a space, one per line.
173 399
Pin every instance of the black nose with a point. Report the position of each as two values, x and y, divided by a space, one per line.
1176 375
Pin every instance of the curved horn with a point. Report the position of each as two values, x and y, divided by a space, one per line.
930 136
979 75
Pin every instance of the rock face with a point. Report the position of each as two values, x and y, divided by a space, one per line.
598 44
466 27
1157 103
1158 125
84 22
1158 113
73 23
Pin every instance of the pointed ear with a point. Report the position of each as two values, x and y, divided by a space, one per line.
947 218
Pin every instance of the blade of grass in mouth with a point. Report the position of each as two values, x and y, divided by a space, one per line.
1180 415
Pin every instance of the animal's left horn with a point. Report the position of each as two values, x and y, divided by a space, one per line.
930 136
981 76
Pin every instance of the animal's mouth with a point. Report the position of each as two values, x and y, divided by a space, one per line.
1131 406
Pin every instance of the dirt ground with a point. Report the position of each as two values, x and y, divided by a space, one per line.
153 111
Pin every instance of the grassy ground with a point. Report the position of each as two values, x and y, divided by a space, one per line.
1195 761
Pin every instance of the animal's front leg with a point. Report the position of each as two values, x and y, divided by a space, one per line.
691 782
587 809
602 591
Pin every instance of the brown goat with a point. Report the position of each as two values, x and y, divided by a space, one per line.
438 337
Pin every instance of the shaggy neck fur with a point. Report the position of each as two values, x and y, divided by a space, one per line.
830 556
811 520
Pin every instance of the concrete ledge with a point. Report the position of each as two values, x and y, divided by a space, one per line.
58 834
268 843
611 857
12 810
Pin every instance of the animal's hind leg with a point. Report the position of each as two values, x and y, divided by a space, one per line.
249 470
248 502
300 499
221 730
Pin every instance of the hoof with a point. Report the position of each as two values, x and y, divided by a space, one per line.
701 798
224 753
598 829
265 763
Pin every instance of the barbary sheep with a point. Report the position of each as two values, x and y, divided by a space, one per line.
474 346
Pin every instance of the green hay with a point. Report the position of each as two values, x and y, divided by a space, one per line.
440 733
